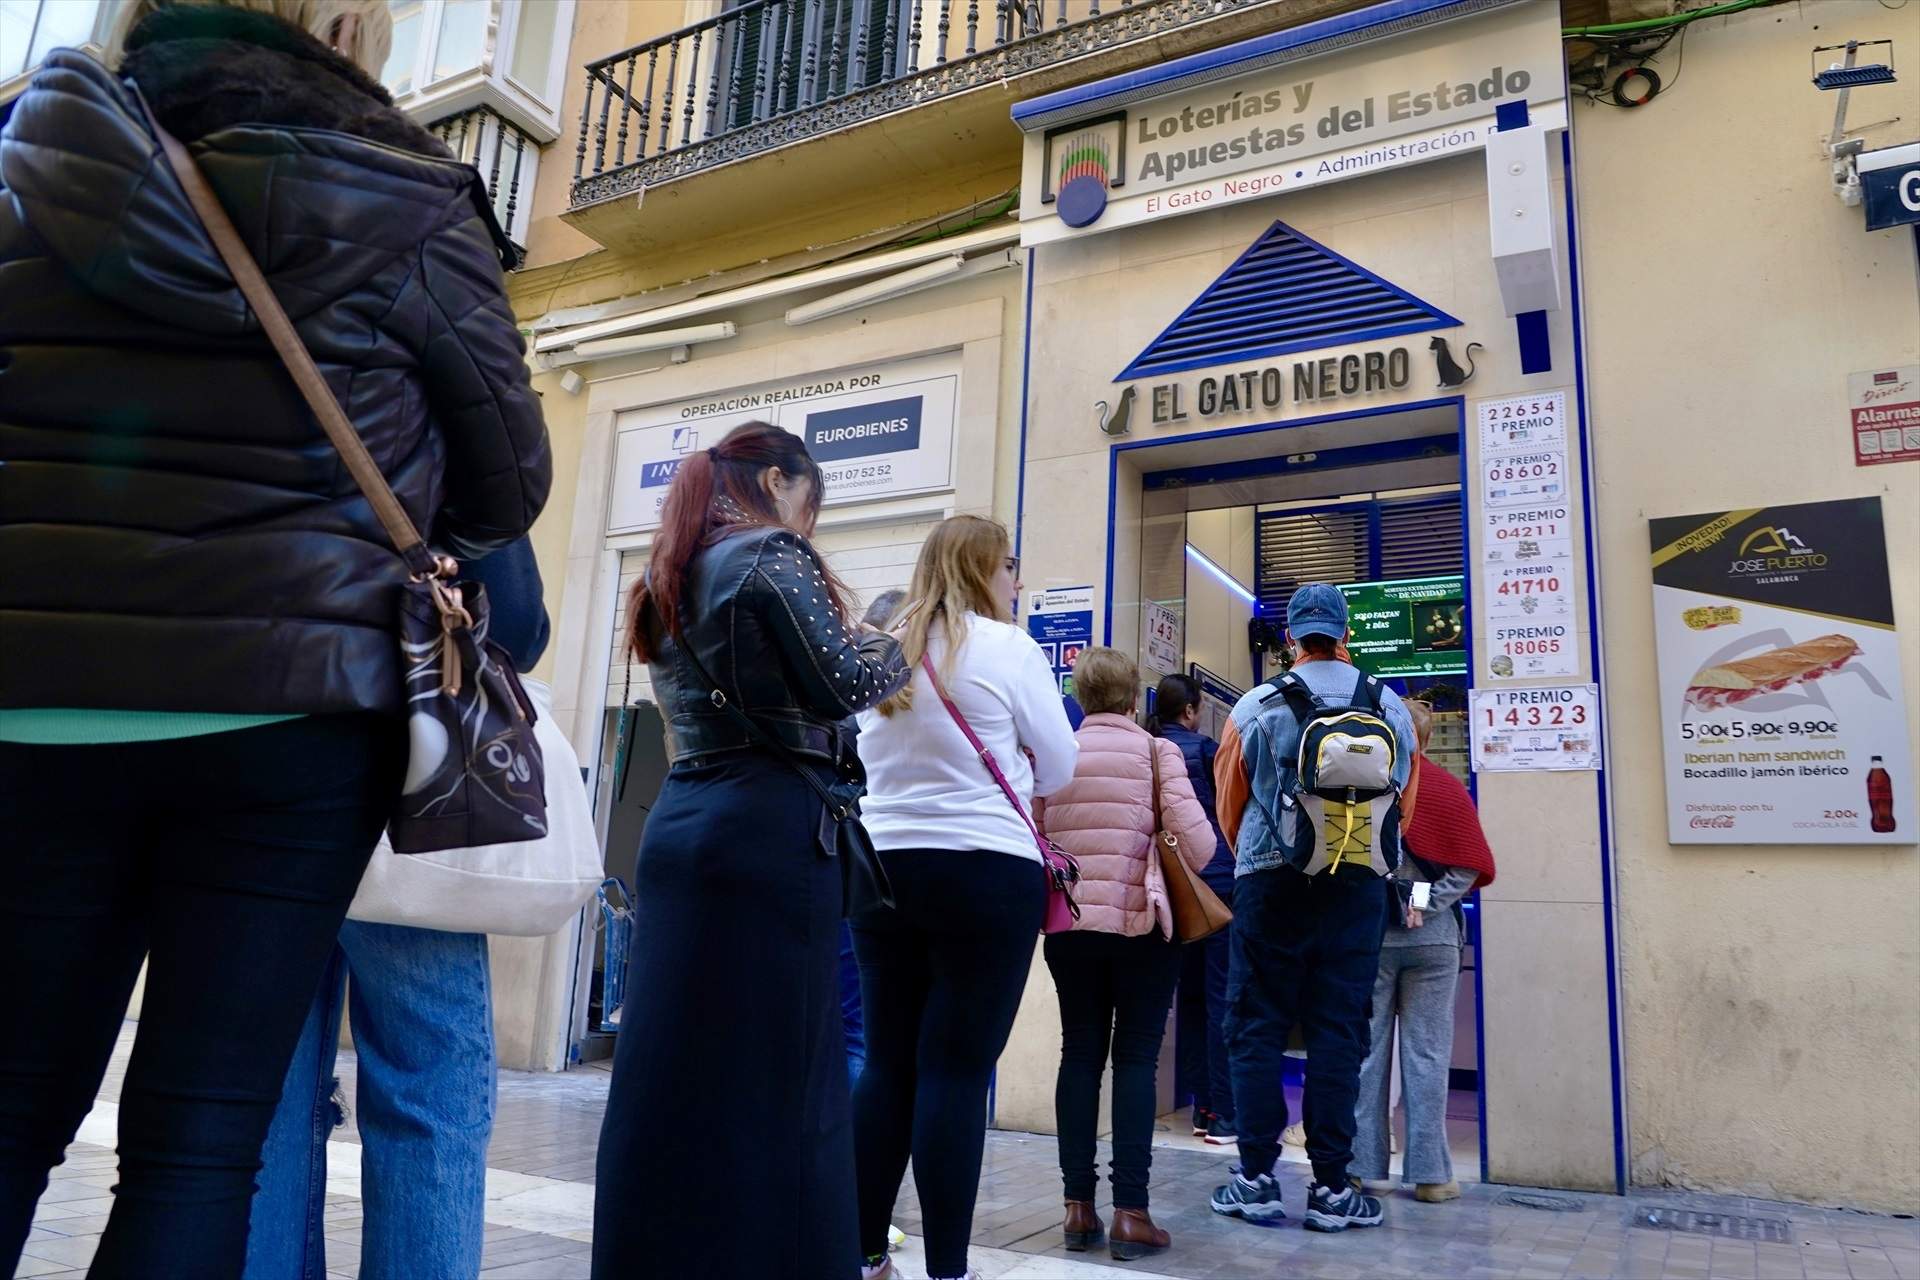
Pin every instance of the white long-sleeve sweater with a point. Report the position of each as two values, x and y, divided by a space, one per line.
927 789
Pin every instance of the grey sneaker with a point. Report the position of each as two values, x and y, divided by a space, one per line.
1331 1210
1255 1200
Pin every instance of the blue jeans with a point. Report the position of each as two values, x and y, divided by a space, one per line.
422 1017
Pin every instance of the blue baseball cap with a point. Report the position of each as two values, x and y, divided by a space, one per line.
1317 610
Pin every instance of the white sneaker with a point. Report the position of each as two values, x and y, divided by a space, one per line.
895 1236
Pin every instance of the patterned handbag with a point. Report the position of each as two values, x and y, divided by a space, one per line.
474 772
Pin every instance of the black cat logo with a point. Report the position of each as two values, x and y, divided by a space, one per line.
1451 374
1120 421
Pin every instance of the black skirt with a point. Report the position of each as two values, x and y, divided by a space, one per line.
727 1147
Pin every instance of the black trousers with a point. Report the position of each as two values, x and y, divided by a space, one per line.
1114 996
227 861
727 1146
1200 1019
941 975
1305 951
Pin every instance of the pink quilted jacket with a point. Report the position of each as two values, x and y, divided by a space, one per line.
1104 817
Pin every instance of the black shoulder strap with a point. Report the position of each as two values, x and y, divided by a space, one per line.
1366 693
841 807
1304 702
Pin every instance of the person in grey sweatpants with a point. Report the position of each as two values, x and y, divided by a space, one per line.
1419 975
1418 978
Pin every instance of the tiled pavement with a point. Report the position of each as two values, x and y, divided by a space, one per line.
540 1198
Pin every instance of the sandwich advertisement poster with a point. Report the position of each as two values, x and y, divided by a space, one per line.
1781 705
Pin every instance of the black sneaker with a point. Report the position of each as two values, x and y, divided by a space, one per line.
1201 1119
1257 1200
1330 1210
1222 1131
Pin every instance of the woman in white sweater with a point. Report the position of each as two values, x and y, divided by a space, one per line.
942 971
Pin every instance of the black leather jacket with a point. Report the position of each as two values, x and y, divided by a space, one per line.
755 616
176 534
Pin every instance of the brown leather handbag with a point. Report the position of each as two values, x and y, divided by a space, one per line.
474 774
1197 910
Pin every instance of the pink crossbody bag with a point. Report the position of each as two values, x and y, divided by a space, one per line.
1061 870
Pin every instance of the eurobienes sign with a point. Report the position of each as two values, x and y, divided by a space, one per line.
878 432
1112 154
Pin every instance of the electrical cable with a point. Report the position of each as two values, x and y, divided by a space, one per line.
1620 96
1661 24
940 232
1637 52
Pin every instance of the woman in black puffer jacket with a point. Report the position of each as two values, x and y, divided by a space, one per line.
200 687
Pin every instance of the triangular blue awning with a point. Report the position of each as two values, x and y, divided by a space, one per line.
1285 293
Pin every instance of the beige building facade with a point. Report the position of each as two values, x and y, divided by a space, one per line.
1721 337
1635 1011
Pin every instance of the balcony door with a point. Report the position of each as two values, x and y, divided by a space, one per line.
782 55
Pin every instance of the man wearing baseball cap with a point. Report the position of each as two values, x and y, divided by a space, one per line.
1304 949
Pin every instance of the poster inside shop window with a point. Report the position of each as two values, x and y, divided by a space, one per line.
1783 713
1162 638
1060 620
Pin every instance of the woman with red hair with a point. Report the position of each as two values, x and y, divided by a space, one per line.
733 1008
1447 856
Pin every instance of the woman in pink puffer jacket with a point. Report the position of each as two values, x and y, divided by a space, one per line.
1115 972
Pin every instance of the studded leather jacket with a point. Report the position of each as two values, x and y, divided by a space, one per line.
757 620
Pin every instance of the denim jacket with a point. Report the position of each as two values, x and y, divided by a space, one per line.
1255 769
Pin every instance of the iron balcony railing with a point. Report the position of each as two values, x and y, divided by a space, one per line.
505 155
768 72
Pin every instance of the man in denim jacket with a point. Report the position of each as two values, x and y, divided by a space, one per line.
1305 948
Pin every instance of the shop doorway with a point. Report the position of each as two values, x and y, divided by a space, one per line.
1210 535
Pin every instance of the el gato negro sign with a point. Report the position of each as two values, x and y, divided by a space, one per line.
1268 388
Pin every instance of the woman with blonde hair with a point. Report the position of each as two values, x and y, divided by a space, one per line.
942 970
1115 971
201 729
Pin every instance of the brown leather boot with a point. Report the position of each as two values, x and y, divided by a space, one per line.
1084 1228
1135 1236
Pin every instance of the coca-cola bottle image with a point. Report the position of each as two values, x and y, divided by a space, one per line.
1880 796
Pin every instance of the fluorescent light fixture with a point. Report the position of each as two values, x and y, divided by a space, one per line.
634 344
658 340
1227 580
565 327
877 290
